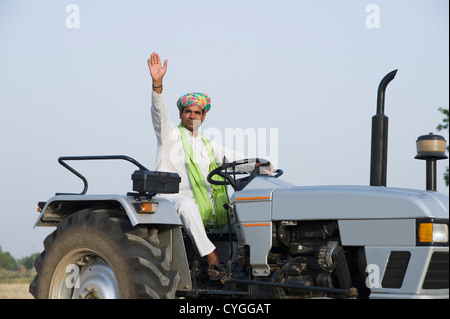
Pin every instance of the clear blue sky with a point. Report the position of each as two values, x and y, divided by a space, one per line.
309 70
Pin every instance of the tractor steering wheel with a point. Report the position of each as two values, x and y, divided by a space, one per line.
230 175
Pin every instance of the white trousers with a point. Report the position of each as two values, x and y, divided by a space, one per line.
187 210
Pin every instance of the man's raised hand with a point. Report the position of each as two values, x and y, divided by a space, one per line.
156 70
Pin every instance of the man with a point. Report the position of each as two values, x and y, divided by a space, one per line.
184 150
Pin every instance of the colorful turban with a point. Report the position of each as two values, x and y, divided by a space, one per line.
190 99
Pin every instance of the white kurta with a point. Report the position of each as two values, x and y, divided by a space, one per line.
170 157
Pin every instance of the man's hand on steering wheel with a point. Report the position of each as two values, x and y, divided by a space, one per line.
263 168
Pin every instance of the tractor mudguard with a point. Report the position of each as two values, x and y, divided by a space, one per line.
61 206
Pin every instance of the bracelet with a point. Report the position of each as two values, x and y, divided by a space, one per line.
157 87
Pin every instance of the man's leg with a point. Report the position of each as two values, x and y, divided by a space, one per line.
187 209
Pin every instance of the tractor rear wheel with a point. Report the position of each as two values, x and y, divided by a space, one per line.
99 254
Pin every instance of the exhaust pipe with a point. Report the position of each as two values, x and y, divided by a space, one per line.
378 161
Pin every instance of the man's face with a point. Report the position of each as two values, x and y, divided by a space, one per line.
192 117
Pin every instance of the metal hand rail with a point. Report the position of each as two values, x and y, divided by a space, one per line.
88 158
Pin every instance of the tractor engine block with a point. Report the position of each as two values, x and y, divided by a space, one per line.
309 254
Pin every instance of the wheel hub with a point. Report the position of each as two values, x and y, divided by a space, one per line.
84 275
97 281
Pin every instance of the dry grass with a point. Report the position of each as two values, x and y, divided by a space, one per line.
15 291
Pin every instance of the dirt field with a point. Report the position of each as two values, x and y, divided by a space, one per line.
15 291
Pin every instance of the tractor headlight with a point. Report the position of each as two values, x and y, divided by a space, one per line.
432 232
440 233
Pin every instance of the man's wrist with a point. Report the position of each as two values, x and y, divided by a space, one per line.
157 86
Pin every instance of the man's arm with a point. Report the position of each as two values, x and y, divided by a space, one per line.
230 156
160 116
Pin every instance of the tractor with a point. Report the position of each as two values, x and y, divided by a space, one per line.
281 240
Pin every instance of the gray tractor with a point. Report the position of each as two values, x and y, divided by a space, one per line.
281 240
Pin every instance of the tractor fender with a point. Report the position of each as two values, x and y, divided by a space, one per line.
61 206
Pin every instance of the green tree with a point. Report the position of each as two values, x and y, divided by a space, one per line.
444 126
6 260
28 262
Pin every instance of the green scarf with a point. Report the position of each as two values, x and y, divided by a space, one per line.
198 184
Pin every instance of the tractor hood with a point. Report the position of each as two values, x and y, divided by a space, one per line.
356 202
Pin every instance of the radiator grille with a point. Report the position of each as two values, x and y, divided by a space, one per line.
437 273
396 269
